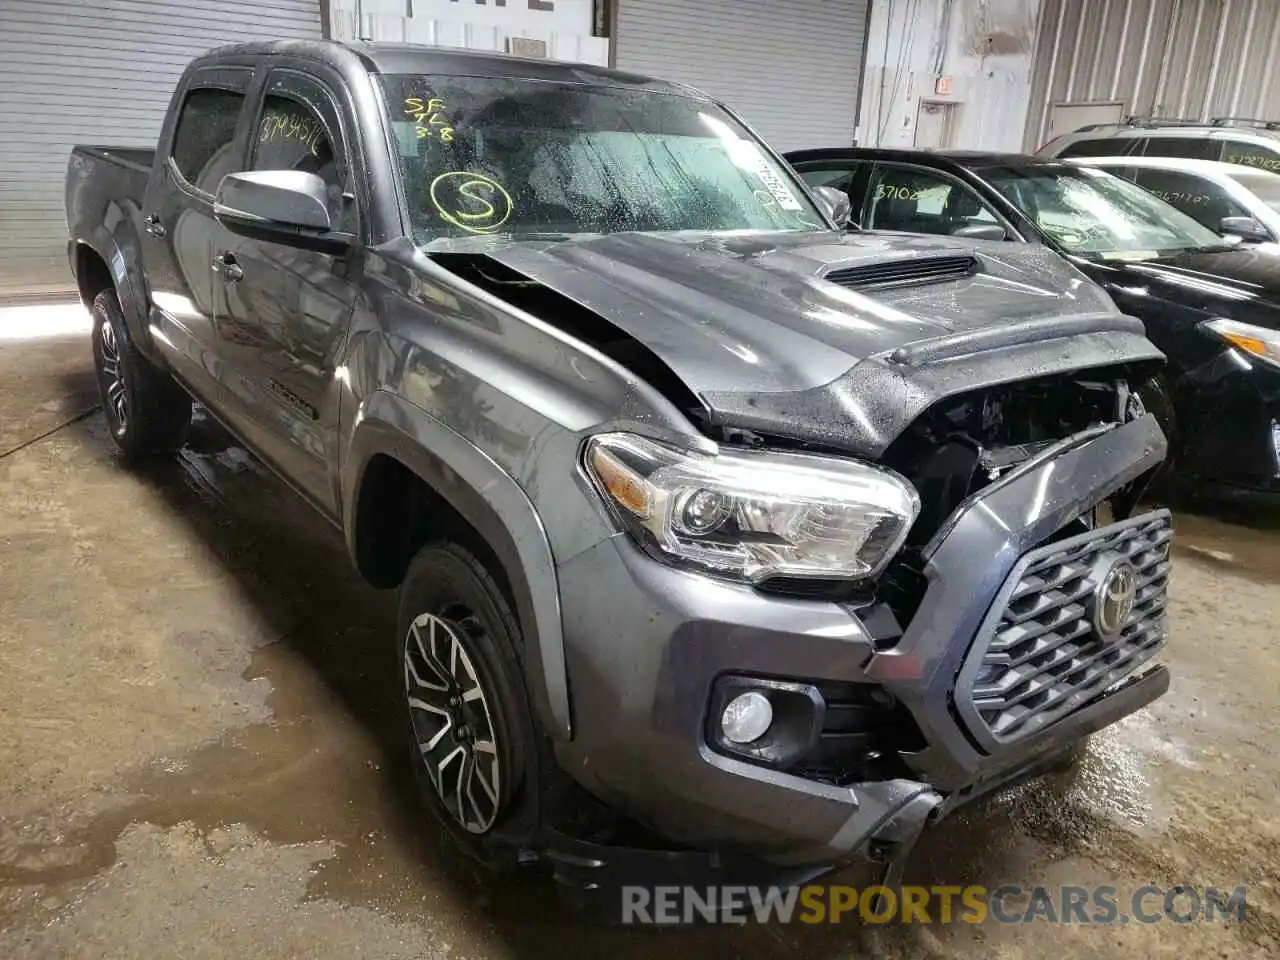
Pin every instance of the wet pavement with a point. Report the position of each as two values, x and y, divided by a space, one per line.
199 751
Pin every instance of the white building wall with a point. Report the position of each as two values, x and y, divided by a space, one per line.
565 25
984 48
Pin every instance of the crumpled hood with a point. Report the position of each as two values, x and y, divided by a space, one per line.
749 324
728 314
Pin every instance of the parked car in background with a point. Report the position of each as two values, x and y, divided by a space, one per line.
1225 197
1250 143
1212 304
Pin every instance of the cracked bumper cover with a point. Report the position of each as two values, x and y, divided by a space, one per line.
645 643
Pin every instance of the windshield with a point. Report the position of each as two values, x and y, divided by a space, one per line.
1094 214
1264 186
488 156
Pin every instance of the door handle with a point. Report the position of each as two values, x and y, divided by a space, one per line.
225 266
154 226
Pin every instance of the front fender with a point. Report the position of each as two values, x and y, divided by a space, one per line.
495 505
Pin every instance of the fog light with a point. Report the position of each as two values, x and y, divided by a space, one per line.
746 718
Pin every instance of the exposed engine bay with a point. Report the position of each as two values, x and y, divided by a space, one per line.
963 443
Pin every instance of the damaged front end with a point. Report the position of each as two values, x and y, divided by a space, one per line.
972 659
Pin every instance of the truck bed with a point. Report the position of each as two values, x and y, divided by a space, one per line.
135 158
106 186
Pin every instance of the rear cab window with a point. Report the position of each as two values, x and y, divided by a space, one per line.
203 147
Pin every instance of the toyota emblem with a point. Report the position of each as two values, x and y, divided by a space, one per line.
1113 601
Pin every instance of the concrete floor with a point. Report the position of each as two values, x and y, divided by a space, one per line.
197 716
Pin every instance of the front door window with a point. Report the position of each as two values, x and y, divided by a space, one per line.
915 200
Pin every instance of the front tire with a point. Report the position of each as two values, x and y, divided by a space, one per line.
470 729
147 412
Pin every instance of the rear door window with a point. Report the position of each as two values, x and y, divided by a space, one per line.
1256 155
1201 199
1106 147
915 200
1191 148
203 149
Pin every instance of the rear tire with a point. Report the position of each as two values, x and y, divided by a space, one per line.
147 412
470 729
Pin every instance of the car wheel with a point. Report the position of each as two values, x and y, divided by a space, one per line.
147 412
467 710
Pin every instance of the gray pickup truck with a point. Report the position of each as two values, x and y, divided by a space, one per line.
726 540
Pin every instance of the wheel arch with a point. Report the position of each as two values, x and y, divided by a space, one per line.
407 479
98 264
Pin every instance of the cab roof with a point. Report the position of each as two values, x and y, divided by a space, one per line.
390 58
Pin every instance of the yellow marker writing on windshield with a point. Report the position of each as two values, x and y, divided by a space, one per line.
470 201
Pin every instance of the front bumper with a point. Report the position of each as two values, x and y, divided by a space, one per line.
646 643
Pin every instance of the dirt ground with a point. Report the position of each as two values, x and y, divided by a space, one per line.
197 715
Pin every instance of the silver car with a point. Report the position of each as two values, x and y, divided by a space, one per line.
1250 143
1225 197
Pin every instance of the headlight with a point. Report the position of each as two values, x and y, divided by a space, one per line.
754 514
1255 341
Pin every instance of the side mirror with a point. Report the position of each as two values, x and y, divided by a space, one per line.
1246 228
282 206
835 203
982 231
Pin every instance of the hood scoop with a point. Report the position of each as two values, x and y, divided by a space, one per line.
905 272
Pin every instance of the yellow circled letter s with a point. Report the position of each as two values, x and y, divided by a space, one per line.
488 220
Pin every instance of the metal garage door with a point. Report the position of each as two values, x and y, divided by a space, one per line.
791 68
97 71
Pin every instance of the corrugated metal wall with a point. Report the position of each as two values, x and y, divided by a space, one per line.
1193 59
791 68
97 71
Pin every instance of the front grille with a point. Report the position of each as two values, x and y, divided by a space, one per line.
1039 654
905 272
